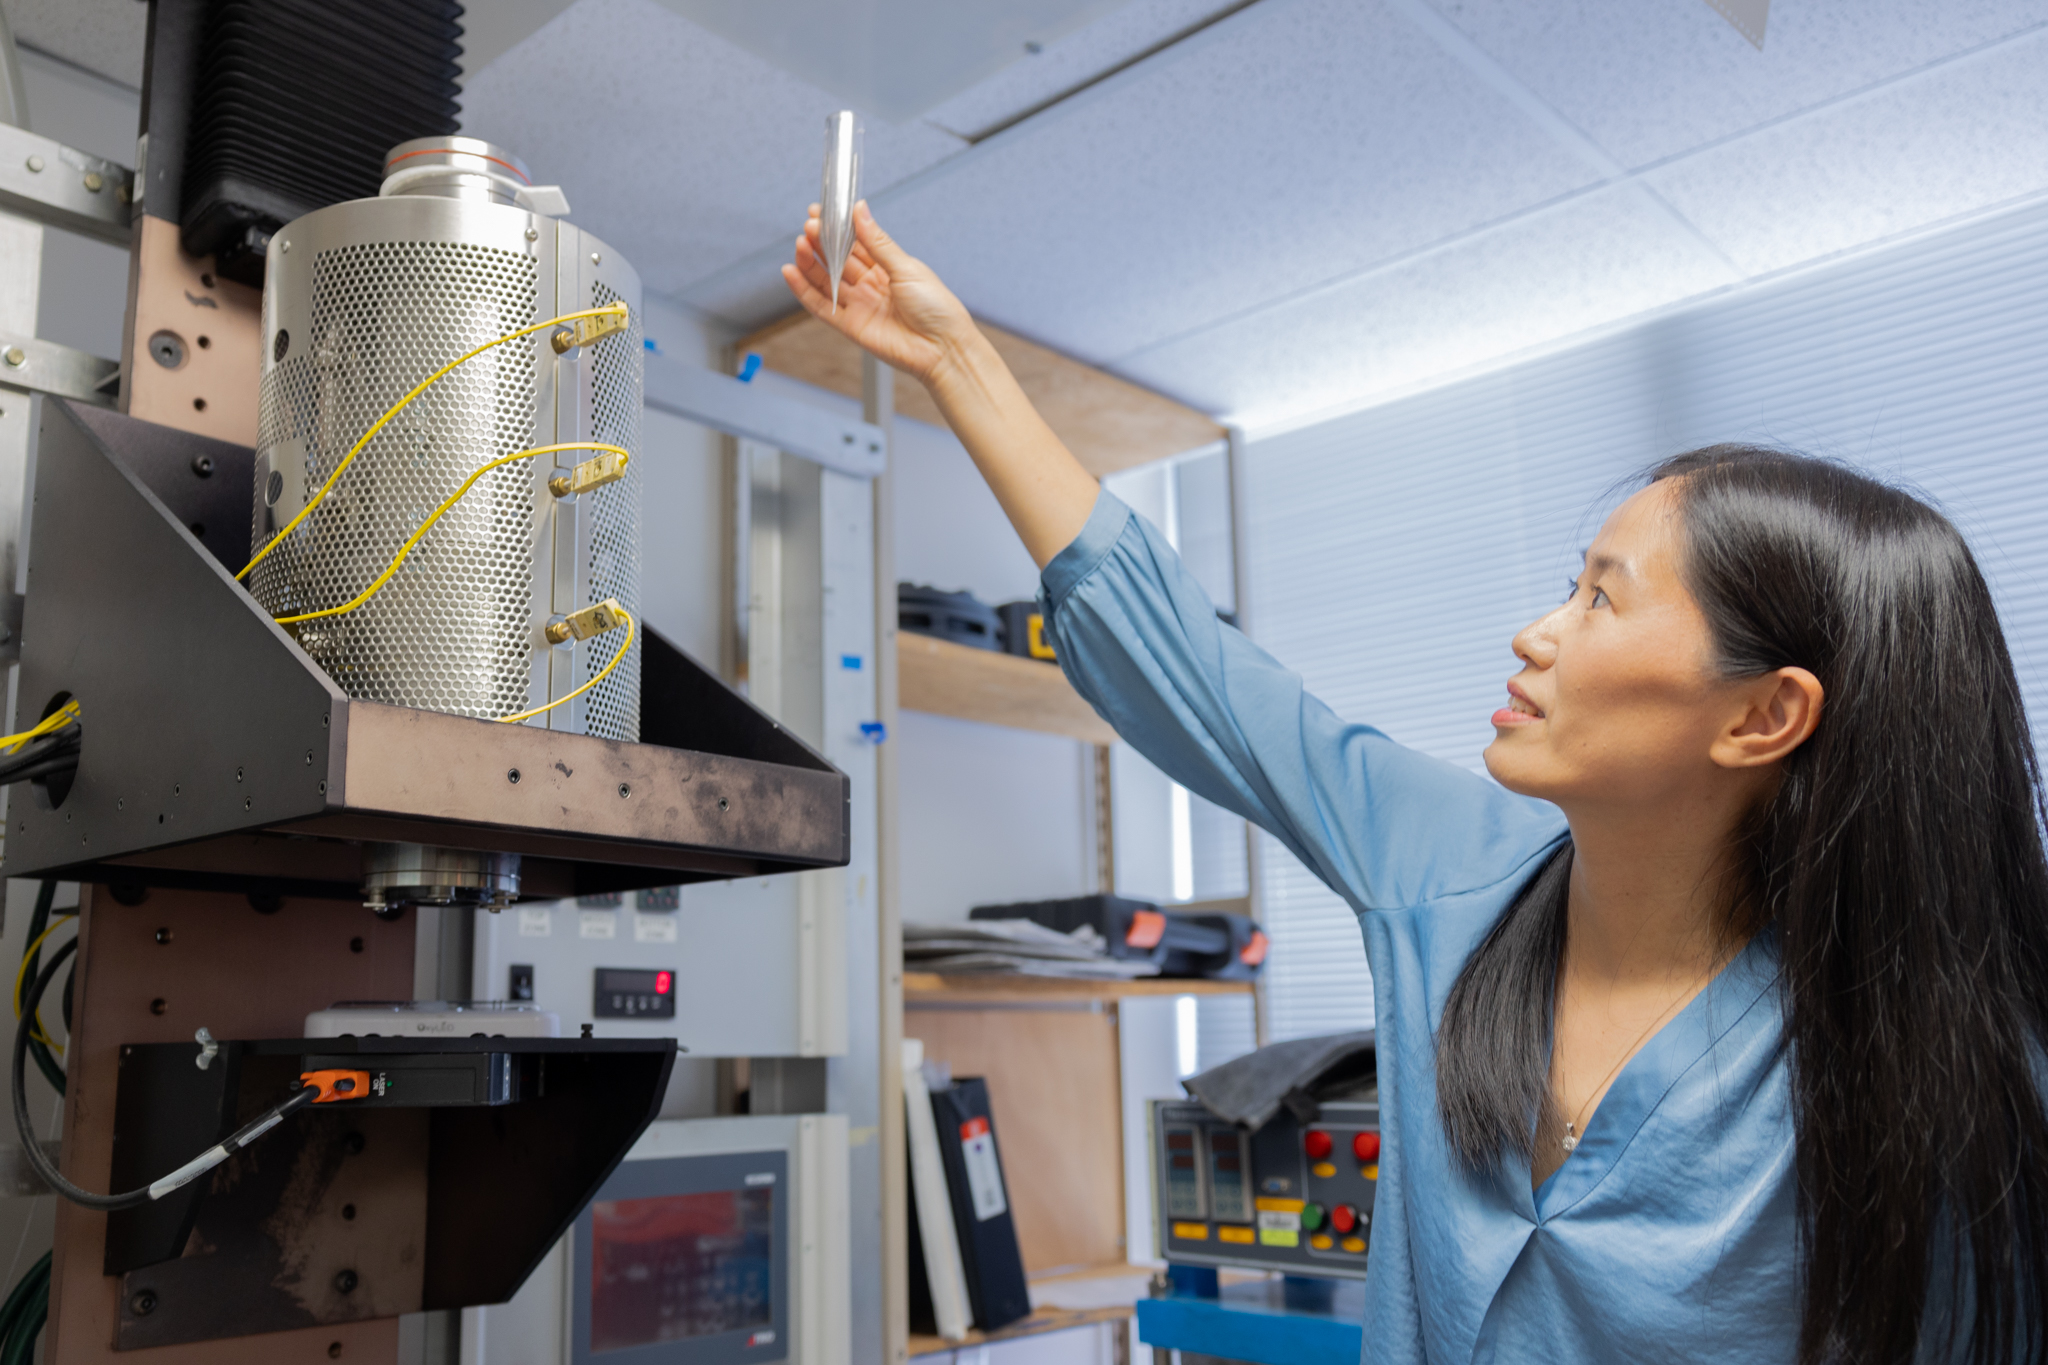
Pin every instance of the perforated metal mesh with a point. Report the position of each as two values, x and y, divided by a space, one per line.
612 708
452 631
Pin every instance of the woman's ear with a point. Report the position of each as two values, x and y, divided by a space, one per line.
1778 714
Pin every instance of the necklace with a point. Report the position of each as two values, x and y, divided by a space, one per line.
1571 1134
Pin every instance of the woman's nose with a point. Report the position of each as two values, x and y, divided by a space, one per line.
1535 644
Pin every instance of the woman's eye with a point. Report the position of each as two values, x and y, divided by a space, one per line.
1600 598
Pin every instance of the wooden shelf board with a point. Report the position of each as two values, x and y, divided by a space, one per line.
997 988
946 679
1108 423
1041 1321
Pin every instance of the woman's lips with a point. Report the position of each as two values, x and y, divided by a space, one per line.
1519 710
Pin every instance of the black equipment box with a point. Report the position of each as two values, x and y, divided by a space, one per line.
1215 944
1023 630
960 617
1292 1197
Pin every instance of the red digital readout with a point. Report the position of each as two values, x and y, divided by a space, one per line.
662 981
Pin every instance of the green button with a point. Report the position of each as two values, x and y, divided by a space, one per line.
1311 1216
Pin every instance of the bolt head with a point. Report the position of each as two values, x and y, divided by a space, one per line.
94 182
596 259
143 1303
35 163
16 357
533 234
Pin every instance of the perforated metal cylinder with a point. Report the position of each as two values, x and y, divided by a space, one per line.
363 301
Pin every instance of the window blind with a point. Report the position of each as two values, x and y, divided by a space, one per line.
1393 552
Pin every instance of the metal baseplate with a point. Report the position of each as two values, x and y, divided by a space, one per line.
217 756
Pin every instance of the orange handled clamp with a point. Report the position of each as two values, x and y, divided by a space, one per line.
337 1085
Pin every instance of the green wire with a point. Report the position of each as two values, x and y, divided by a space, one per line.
23 1316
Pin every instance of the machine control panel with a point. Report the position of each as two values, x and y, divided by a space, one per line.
634 993
1292 1197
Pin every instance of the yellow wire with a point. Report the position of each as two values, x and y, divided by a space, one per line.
529 715
21 983
399 406
406 549
56 720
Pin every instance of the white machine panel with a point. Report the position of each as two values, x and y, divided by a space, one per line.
745 960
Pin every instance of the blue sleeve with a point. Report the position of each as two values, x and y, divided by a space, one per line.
1384 826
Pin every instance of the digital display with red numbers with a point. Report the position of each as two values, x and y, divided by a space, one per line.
634 993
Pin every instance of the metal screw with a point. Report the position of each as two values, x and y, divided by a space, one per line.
345 1281
512 776
121 192
248 802
596 259
724 804
625 790
323 789
143 1304
16 357
238 774
309 758
94 182
163 935
202 465
284 248
35 163
120 803
533 234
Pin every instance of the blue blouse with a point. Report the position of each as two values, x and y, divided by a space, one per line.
1669 1233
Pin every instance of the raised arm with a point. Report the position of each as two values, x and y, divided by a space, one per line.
892 305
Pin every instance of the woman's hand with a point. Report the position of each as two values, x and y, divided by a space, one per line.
890 303
893 307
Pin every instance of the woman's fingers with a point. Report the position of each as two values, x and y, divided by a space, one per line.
881 247
812 266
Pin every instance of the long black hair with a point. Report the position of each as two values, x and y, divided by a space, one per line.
1900 863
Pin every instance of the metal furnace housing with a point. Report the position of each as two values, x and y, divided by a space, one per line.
365 300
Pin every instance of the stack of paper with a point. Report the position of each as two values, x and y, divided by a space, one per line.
1014 945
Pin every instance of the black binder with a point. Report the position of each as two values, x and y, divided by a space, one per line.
989 1252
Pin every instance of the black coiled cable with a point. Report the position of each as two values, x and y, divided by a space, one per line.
191 1170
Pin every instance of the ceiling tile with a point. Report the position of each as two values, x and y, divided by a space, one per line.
103 36
1071 62
1595 260
1648 79
1969 135
682 150
1295 142
892 59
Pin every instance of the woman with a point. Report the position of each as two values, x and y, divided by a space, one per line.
1712 1031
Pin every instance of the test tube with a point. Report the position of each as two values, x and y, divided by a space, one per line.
840 193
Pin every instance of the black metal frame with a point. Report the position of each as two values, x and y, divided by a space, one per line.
217 756
505 1177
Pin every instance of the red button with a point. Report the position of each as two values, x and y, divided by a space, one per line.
1317 1144
1366 1146
1343 1218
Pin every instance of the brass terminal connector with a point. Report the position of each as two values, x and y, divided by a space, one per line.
583 331
606 467
594 619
